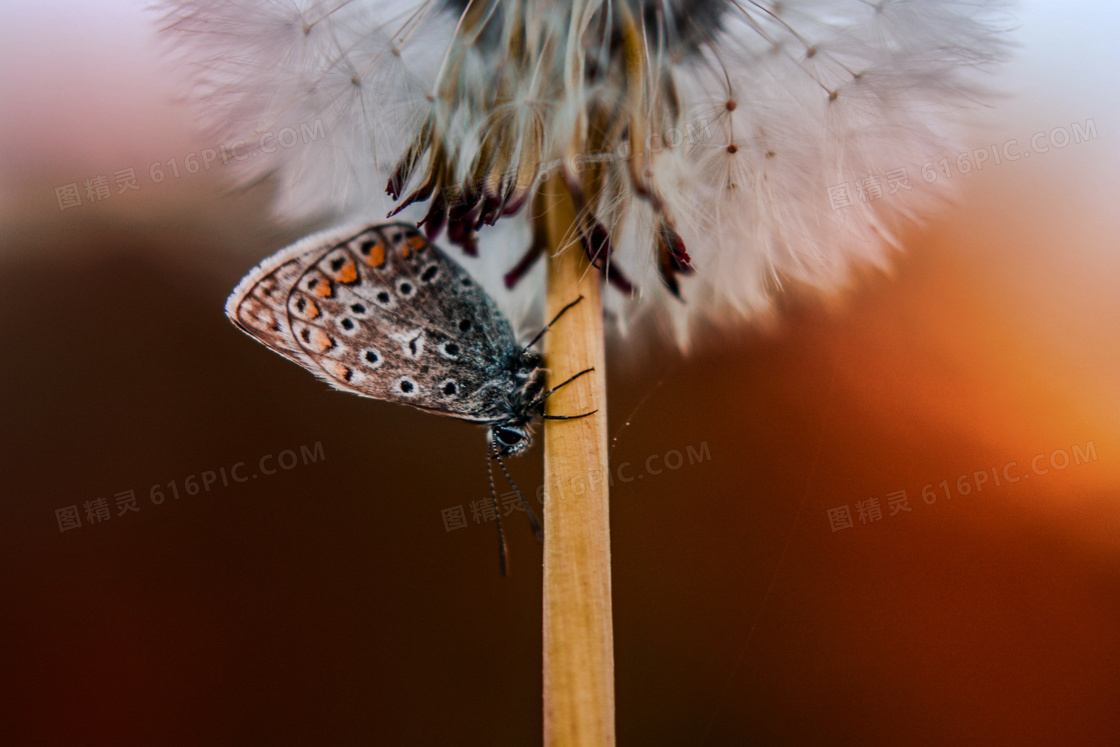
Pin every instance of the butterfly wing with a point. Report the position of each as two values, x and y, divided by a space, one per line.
381 312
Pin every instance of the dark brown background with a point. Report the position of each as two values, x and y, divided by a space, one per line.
328 605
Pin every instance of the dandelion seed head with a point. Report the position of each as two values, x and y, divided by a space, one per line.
698 139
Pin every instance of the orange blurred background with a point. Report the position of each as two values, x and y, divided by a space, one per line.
328 603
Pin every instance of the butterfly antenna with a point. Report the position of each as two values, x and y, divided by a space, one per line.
537 531
497 514
554 320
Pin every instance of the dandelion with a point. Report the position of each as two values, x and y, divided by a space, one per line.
699 140
687 150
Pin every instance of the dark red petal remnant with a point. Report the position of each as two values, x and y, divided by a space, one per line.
597 244
672 257
436 216
532 254
461 225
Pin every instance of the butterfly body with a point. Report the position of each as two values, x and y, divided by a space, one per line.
380 312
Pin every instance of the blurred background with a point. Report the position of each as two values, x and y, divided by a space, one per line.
890 518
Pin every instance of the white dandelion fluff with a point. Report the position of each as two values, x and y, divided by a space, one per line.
714 148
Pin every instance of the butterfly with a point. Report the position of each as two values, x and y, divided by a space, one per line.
381 312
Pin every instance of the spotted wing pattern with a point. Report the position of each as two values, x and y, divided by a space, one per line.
381 312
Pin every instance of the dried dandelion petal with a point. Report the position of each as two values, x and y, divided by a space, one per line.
714 148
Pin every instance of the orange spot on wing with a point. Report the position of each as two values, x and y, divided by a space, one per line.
376 256
414 244
348 273
322 341
312 310
323 288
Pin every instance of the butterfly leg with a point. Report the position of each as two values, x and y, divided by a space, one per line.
554 320
568 417
570 379
567 381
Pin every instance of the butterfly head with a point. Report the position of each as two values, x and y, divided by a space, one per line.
522 405
510 439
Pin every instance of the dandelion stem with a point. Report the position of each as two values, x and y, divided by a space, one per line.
578 631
